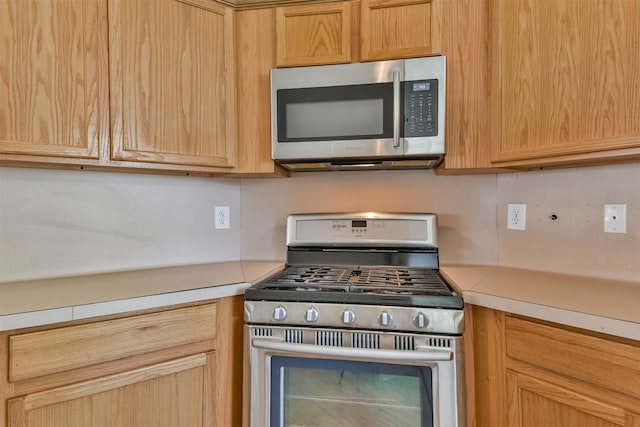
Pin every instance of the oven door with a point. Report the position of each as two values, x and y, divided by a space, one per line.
296 384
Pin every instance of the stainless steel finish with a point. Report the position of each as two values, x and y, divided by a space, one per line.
443 355
396 109
420 353
397 230
362 154
348 317
436 68
440 321
279 313
421 321
385 309
311 315
385 319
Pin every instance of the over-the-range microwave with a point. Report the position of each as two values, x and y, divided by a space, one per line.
372 115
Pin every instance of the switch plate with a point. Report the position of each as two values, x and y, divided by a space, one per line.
615 218
222 217
516 216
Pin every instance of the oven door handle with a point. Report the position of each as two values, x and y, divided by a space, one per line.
421 354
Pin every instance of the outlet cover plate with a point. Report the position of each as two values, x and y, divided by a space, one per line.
516 216
222 220
615 218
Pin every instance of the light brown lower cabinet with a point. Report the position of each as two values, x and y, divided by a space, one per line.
176 367
529 373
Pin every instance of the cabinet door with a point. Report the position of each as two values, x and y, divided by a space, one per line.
255 59
172 82
174 393
53 77
565 78
393 29
313 34
534 403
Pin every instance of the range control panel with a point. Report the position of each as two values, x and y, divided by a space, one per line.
420 108
362 229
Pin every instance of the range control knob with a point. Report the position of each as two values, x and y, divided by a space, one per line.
385 318
279 313
348 317
421 321
311 315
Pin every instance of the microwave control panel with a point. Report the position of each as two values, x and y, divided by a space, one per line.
420 108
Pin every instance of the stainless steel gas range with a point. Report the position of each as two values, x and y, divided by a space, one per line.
359 329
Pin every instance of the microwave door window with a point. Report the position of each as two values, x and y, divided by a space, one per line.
335 113
334 119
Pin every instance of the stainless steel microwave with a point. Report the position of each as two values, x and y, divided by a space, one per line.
372 115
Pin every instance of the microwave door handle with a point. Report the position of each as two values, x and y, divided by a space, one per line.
396 109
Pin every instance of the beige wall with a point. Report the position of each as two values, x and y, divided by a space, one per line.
466 207
575 243
59 223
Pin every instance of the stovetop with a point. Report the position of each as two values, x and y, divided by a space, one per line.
360 270
384 285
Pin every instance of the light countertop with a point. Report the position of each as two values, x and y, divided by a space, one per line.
600 305
46 301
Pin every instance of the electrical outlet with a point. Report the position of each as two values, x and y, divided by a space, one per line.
222 217
516 217
615 218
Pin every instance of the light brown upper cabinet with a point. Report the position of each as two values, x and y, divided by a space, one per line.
565 81
53 78
366 30
313 34
393 29
172 82
135 85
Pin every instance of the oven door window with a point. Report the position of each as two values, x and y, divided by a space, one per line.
325 392
335 113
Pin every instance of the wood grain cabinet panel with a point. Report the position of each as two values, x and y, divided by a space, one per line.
56 350
167 394
53 77
255 45
565 78
313 34
177 367
529 373
172 71
399 29
537 403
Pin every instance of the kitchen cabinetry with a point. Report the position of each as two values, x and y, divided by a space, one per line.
392 29
255 44
313 34
172 82
328 33
531 373
53 78
174 367
166 67
564 81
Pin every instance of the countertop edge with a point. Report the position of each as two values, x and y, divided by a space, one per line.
246 273
552 297
590 322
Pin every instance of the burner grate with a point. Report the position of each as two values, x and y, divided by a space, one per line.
383 280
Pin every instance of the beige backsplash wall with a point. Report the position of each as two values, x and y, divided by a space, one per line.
60 223
466 207
575 243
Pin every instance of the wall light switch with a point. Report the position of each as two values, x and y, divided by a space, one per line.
615 218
